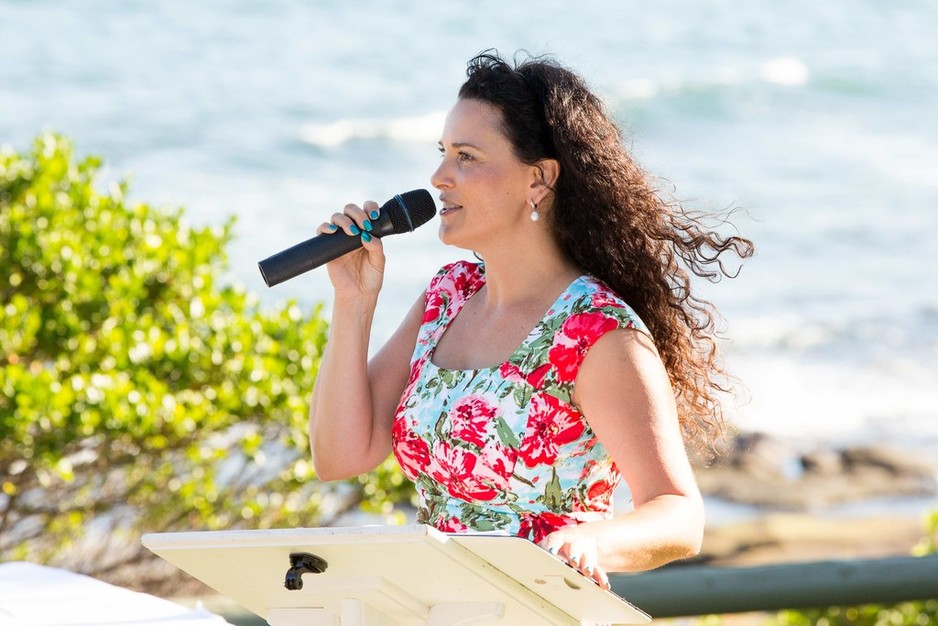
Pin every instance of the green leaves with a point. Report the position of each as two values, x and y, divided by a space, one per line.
130 377
902 614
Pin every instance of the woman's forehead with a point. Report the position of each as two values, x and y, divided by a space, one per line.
472 122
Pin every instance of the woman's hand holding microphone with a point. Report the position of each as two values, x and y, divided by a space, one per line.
360 273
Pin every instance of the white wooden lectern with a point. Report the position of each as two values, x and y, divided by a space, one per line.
391 576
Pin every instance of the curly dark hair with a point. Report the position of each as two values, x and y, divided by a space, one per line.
614 225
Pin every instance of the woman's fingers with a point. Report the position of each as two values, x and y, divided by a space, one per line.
362 271
578 554
327 228
354 220
372 210
600 577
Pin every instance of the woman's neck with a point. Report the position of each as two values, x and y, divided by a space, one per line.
525 273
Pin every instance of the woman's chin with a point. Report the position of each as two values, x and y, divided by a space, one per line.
448 237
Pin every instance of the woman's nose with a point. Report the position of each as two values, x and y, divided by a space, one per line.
441 177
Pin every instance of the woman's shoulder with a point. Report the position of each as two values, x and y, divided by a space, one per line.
589 295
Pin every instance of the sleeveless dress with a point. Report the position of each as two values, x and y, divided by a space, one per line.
504 448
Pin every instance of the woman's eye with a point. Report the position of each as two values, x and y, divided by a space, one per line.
460 156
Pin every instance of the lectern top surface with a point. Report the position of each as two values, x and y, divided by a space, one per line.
399 571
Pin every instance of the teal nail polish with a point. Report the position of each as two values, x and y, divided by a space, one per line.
374 214
332 227
366 225
355 230
366 237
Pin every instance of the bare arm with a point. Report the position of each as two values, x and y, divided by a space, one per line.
353 400
626 396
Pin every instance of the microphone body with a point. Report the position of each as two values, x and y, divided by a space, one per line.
401 214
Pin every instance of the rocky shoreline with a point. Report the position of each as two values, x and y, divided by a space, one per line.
816 503
770 472
799 537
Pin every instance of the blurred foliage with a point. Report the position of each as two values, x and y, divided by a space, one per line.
921 613
905 614
133 385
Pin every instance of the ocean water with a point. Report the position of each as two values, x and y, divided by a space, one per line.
817 121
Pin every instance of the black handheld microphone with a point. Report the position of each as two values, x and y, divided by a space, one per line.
401 214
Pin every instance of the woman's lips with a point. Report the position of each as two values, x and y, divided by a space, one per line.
449 209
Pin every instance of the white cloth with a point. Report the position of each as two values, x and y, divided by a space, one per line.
35 595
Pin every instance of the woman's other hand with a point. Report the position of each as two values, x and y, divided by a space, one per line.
575 546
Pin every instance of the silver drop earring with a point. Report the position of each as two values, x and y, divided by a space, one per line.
534 214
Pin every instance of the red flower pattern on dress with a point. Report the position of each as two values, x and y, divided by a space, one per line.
435 304
412 452
464 476
465 283
513 374
500 461
451 525
536 378
415 368
550 425
576 335
602 299
598 497
536 526
469 418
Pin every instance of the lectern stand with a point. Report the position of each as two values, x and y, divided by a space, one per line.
391 576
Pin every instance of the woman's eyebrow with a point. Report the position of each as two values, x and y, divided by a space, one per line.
461 144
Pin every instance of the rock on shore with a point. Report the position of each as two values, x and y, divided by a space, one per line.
770 472
799 537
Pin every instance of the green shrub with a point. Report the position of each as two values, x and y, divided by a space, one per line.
134 387
905 614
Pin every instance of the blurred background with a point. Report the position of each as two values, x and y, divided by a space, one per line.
816 120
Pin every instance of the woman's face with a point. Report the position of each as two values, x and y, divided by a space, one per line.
485 190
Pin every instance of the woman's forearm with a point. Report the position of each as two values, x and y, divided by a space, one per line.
664 529
341 423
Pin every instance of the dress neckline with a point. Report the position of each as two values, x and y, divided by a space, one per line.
532 334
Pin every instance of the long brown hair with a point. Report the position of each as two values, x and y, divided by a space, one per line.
612 222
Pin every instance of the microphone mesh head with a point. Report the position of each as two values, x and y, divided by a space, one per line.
410 210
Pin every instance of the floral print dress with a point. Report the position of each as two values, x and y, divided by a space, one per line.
505 448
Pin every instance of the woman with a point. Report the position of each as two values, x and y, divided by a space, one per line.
517 392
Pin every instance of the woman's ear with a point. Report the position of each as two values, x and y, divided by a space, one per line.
548 170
